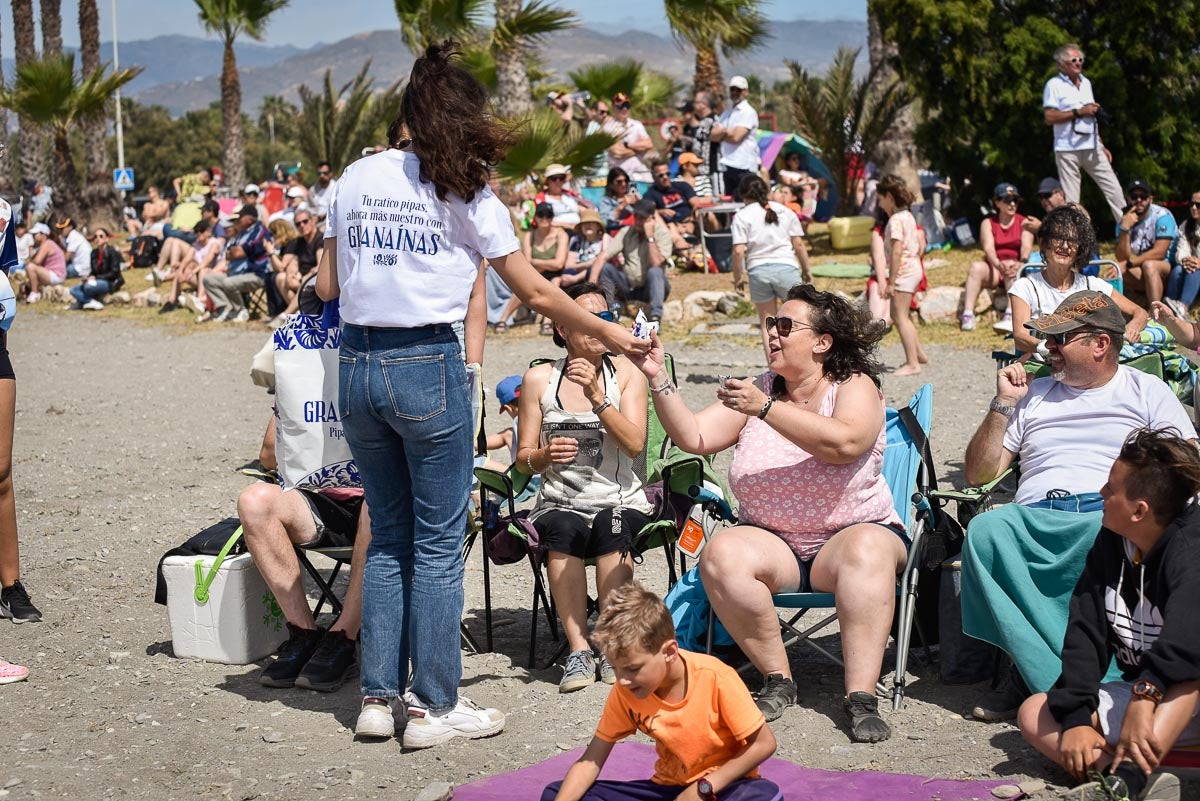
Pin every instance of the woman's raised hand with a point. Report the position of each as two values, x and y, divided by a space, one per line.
621 341
653 360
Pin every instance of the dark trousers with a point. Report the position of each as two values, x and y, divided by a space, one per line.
646 790
733 182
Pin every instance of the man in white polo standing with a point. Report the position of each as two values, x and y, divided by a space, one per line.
737 131
1071 109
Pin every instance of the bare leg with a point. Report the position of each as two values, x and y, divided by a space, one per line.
913 354
881 308
979 276
859 565
10 555
611 572
1154 276
38 277
741 567
350 620
274 522
568 585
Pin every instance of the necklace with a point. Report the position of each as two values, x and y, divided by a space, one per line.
812 394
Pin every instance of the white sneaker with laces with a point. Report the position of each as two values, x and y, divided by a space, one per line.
968 321
93 305
375 720
240 317
1005 323
467 719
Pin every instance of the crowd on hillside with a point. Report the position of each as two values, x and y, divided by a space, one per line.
1092 566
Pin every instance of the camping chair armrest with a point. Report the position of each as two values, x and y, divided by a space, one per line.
970 499
508 485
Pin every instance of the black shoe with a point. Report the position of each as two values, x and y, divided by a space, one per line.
15 603
777 694
1003 702
865 724
169 307
334 660
294 654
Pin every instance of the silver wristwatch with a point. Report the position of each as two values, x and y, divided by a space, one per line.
599 409
1001 408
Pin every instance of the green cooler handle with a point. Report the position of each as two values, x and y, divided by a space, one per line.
204 582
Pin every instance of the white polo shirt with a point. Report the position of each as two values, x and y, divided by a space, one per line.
78 253
741 155
1062 95
405 258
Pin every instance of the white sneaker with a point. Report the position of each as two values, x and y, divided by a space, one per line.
968 321
240 317
158 275
33 297
375 721
93 305
1004 324
467 719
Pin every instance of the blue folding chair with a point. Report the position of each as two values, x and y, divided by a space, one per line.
908 469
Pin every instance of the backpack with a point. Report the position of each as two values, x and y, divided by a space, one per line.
144 251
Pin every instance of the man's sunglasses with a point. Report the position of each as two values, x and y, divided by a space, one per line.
1139 198
784 325
1075 60
603 112
662 175
303 222
1070 336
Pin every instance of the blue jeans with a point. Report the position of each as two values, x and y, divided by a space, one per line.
1082 502
90 290
654 291
407 417
1183 286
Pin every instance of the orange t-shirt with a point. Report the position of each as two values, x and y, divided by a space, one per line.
694 736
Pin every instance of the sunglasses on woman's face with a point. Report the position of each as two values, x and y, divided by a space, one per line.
784 325
1195 204
624 106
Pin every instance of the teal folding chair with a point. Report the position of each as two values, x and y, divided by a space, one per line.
908 469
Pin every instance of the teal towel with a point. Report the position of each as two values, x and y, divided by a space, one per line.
1019 568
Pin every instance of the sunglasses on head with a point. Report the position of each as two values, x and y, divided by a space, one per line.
606 316
784 325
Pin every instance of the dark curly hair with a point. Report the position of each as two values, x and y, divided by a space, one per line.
1070 224
855 335
577 291
453 132
1164 471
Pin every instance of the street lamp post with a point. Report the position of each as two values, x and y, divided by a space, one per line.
116 67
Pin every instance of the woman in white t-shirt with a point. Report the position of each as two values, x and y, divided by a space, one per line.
1067 241
768 244
405 234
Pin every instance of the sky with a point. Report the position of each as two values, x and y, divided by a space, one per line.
305 22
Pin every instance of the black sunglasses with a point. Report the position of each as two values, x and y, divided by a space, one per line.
1071 336
1138 198
602 111
623 105
784 325
1195 204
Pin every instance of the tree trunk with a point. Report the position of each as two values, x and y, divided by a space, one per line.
234 155
32 139
897 152
51 28
99 202
6 171
513 91
67 195
707 77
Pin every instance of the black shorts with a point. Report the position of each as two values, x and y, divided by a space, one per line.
6 368
805 565
569 532
336 521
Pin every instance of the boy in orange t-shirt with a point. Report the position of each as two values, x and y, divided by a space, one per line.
709 734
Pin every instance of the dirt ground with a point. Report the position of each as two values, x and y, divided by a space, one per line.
128 440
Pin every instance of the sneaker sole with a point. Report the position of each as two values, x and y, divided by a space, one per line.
15 679
278 684
1162 787
575 684
5 612
381 733
992 715
415 738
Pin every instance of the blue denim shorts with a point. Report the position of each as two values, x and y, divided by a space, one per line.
769 281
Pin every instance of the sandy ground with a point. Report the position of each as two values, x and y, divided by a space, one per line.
128 439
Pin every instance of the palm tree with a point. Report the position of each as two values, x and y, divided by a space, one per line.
51 28
49 92
651 92
517 27
543 140
229 19
334 123
897 151
426 22
34 161
99 196
840 115
732 26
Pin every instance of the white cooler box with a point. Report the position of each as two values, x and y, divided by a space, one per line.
239 623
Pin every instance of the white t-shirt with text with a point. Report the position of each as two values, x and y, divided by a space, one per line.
766 243
406 259
1068 438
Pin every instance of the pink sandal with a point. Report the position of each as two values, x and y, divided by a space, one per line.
10 672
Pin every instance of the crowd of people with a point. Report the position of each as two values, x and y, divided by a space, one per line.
1108 454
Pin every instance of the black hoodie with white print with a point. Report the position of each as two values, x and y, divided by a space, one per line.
1146 614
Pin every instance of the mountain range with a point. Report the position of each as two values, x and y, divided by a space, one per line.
182 73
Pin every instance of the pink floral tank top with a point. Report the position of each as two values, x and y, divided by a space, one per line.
803 500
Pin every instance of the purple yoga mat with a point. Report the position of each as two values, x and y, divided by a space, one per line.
636 761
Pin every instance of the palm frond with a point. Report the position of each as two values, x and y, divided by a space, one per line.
231 18
531 23
608 78
737 25
480 62
579 151
49 92
426 22
537 145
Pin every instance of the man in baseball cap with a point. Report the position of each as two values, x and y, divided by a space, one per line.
737 131
1144 236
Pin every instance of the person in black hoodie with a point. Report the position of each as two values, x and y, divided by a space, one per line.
1137 601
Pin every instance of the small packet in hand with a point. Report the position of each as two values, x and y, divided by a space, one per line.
722 380
642 327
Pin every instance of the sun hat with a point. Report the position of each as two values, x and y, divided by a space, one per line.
1138 183
1049 186
588 216
555 169
1006 190
738 82
1085 309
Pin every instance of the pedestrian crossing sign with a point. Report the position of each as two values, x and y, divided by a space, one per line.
123 179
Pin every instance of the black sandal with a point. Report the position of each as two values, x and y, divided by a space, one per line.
866 726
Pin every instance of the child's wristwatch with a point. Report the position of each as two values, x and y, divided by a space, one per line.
705 790
1147 690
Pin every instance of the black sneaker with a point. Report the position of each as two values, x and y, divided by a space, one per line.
15 603
169 306
293 656
334 660
777 694
1003 702
866 726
